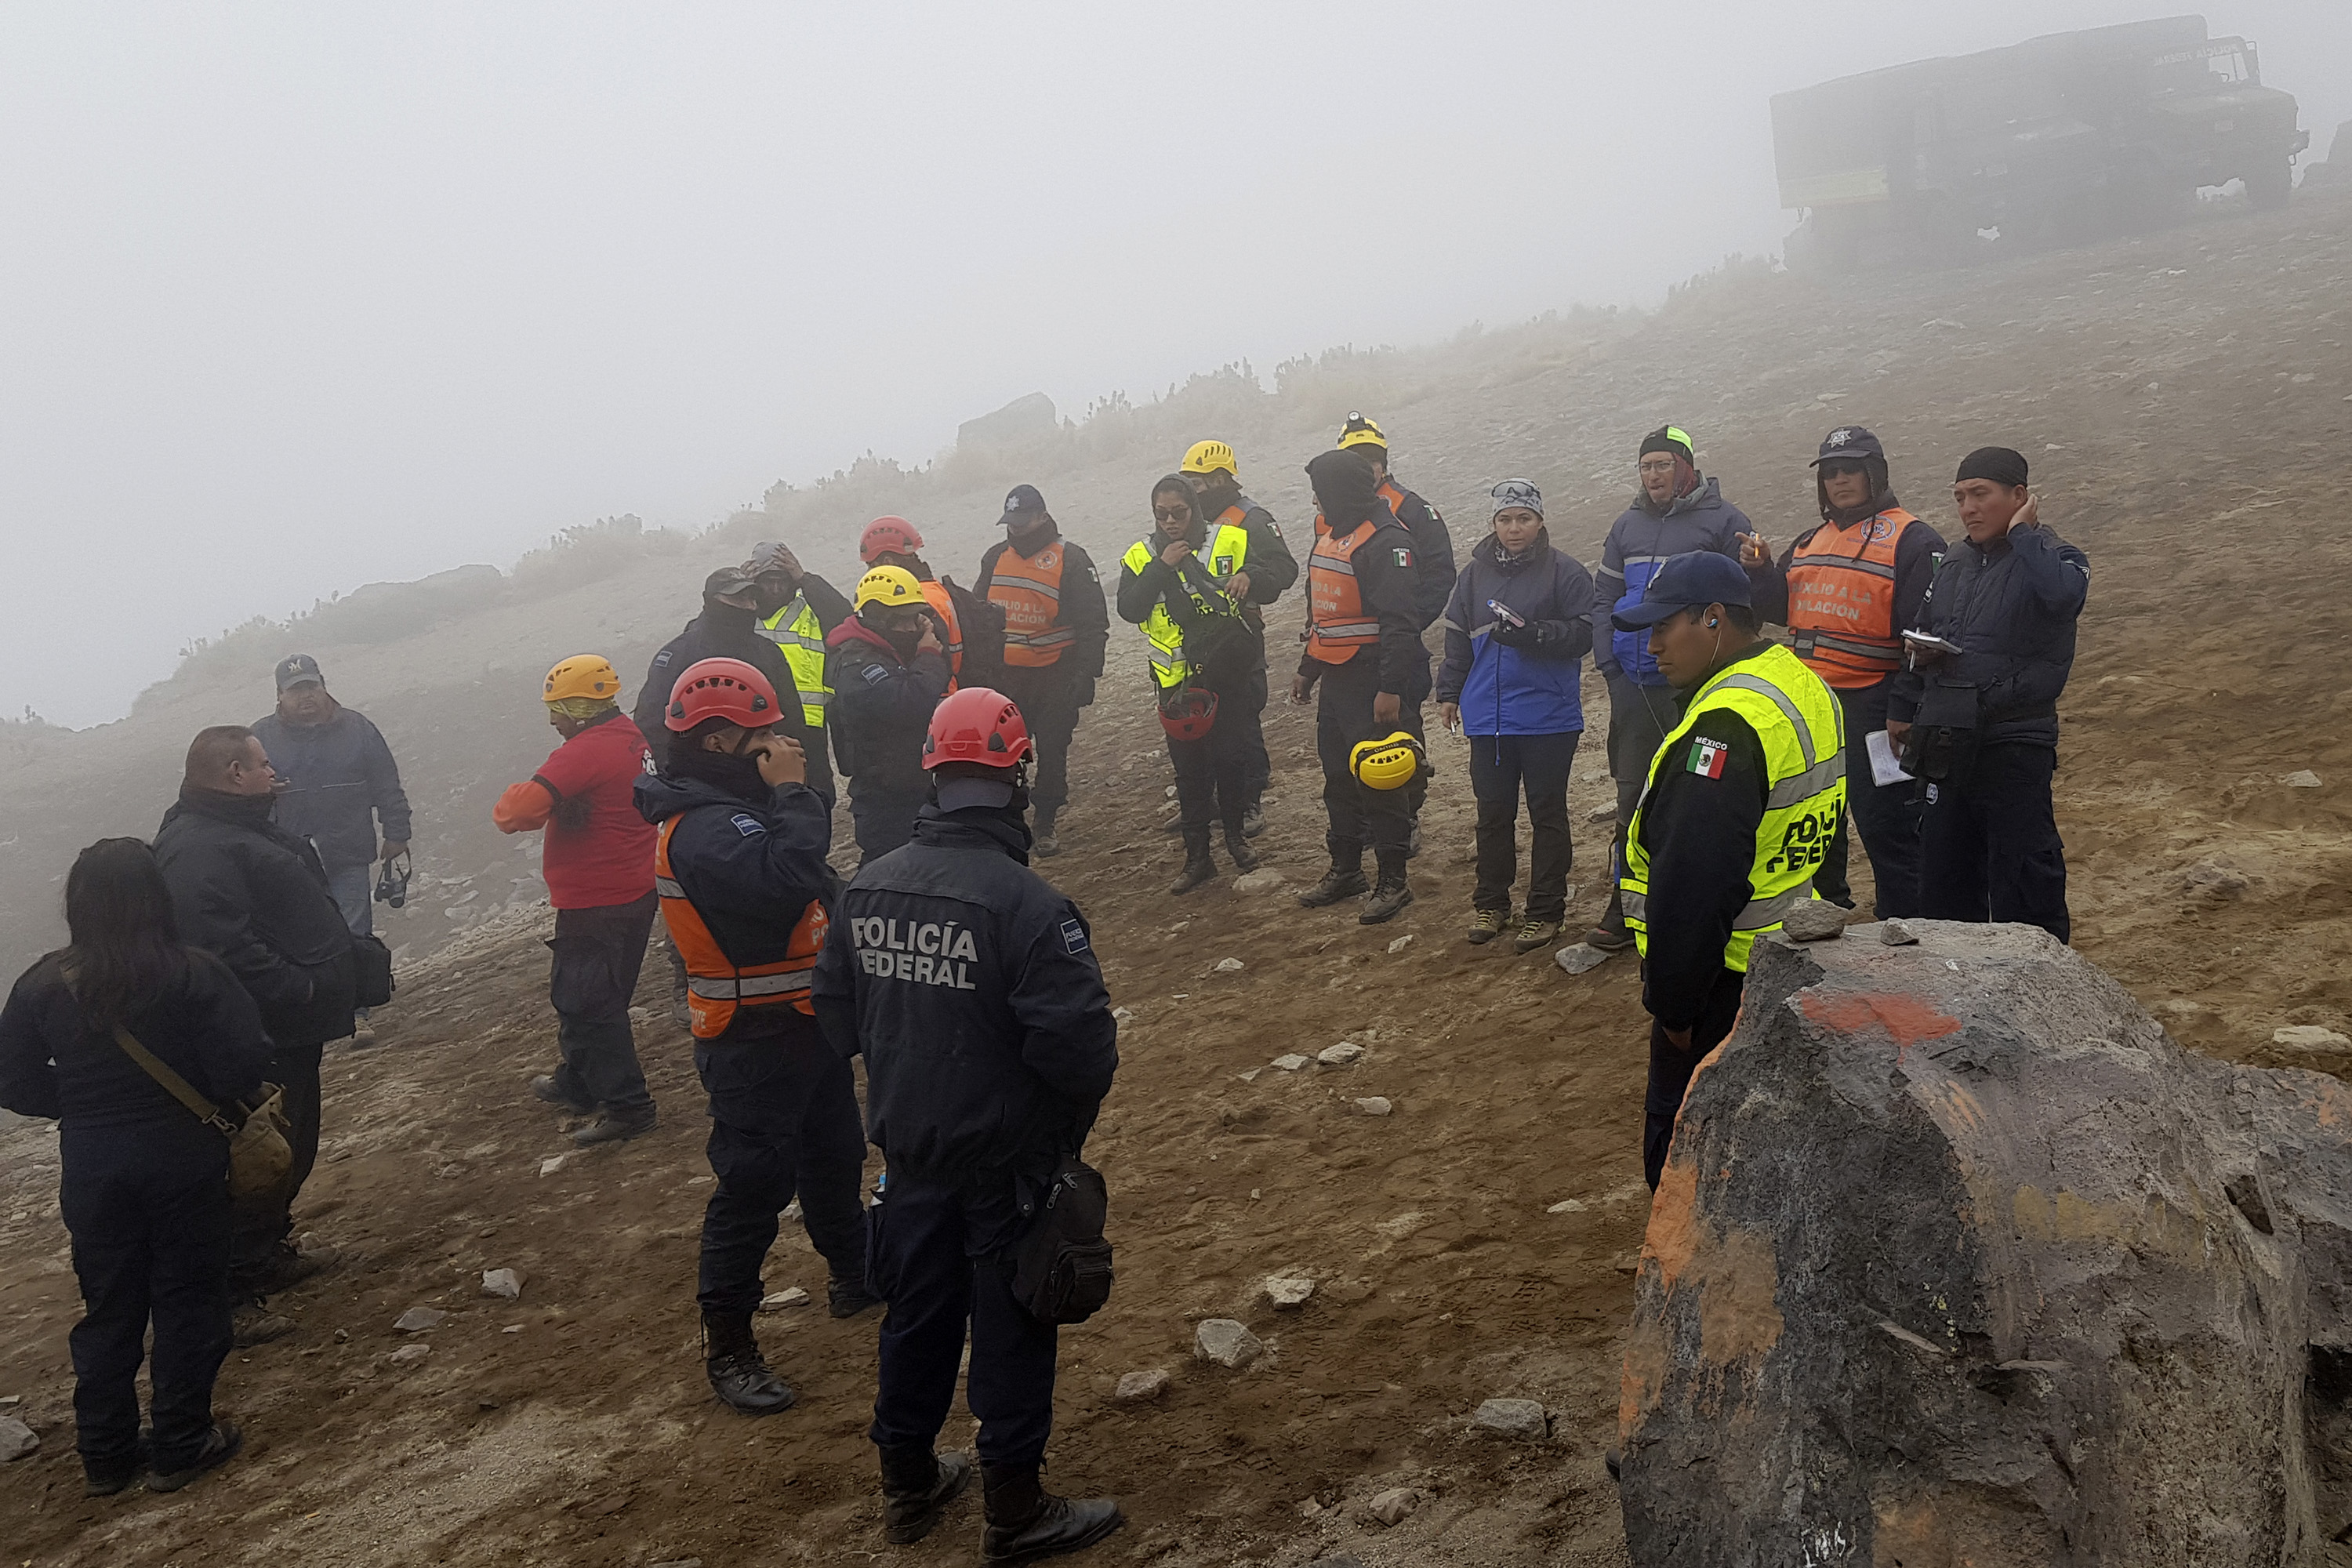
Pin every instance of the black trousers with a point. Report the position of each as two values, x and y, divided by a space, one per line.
1887 819
937 1256
1357 815
783 1124
883 821
1213 773
1502 769
1989 844
1671 1068
1048 701
598 952
1639 718
257 1225
147 1210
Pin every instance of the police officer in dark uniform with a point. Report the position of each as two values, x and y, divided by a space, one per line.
971 985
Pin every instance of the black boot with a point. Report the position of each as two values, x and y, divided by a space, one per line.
1198 867
845 1296
1237 848
1025 1522
1390 894
1042 841
738 1375
917 1486
1339 882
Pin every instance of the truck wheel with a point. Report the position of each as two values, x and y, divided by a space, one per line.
2268 185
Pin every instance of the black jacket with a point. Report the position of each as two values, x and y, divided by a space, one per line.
256 895
1083 610
723 631
1388 576
1433 548
2011 605
339 779
881 709
971 985
751 869
202 1024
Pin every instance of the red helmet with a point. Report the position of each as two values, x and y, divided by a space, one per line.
1189 714
894 534
720 689
977 725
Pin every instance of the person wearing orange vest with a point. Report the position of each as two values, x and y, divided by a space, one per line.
1849 590
1364 648
1210 469
971 629
1055 629
739 868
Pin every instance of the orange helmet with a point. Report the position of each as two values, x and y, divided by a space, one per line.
720 689
893 535
977 725
1188 713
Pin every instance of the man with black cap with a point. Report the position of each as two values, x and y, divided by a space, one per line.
1677 509
1057 627
1849 590
1210 468
1363 644
1738 804
797 611
1976 713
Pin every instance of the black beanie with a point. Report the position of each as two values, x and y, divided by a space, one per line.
1663 440
1999 463
1345 488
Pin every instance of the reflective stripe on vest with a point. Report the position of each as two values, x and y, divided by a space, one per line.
1030 589
795 630
715 986
1337 624
1841 601
939 599
1802 731
1228 552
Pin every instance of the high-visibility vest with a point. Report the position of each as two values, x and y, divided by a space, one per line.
1337 622
1030 589
1841 600
1803 731
715 984
801 636
944 603
1227 553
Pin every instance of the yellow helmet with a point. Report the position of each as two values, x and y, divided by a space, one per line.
1359 431
589 675
1208 457
889 585
1392 763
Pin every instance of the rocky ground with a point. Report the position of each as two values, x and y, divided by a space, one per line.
2186 399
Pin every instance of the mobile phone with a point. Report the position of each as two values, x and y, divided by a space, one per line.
1929 639
1503 613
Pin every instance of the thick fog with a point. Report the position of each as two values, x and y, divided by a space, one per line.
299 297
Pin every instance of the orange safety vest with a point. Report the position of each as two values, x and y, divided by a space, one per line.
944 603
1337 624
1841 601
715 984
1030 589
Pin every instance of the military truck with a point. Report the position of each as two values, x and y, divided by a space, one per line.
2057 140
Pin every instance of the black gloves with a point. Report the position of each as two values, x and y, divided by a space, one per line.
1527 635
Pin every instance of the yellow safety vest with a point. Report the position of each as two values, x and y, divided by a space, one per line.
1803 732
1227 553
797 630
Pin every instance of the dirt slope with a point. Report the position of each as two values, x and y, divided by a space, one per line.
2185 400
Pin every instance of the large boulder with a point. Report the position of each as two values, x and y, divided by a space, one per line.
1958 1258
1020 420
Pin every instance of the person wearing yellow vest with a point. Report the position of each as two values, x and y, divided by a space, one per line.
1055 629
1743 797
797 610
1210 468
1849 590
971 629
1364 649
739 869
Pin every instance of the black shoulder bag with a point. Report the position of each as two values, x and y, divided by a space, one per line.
1062 1269
1944 732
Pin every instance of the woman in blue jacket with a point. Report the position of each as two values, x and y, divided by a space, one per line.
1516 631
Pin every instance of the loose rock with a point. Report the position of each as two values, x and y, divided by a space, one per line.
1121 1015
789 1296
1522 1420
1815 919
1226 1342
2302 778
1340 1055
409 1355
2310 1038
416 1320
504 1283
1137 1387
1289 1291
1394 1506
1374 1105
1578 957
16 1439
1601 814
1229 966
1291 1063
552 1164
1401 943
1565 1206
1895 934
1264 879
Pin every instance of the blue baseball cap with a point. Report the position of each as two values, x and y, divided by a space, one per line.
1849 444
1022 503
1701 577
299 669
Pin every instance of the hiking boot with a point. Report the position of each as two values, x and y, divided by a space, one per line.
917 1486
1238 851
738 1375
848 1298
1535 933
1042 842
1252 820
1485 925
221 1445
289 1266
1337 884
105 1479
1025 1522
1387 901
251 1323
545 1087
1612 934
616 1127
1198 867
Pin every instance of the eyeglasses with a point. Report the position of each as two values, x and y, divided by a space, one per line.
1656 465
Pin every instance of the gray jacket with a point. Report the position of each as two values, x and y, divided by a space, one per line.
339 778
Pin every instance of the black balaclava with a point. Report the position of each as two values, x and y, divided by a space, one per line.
737 776
1881 493
1346 490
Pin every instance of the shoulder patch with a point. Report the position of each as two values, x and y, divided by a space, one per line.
1273 527
747 825
875 674
1074 936
1402 557
1706 757
1091 576
661 659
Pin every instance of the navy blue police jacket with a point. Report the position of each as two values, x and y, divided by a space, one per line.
970 984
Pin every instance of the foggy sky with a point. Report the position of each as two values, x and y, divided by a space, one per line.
298 297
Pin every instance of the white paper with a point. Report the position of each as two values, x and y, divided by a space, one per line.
1883 769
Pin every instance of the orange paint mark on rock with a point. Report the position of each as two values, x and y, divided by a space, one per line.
1672 1236
1904 1018
1644 1373
1739 1312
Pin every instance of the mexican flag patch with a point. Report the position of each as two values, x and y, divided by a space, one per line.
1707 758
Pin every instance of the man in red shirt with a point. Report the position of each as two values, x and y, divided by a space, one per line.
599 861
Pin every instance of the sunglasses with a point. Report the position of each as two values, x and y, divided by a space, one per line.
1172 514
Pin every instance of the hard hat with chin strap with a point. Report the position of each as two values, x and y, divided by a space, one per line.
1208 457
585 675
1360 431
1389 764
889 585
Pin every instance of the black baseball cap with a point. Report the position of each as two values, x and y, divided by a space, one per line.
1848 444
296 668
1701 577
1022 503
